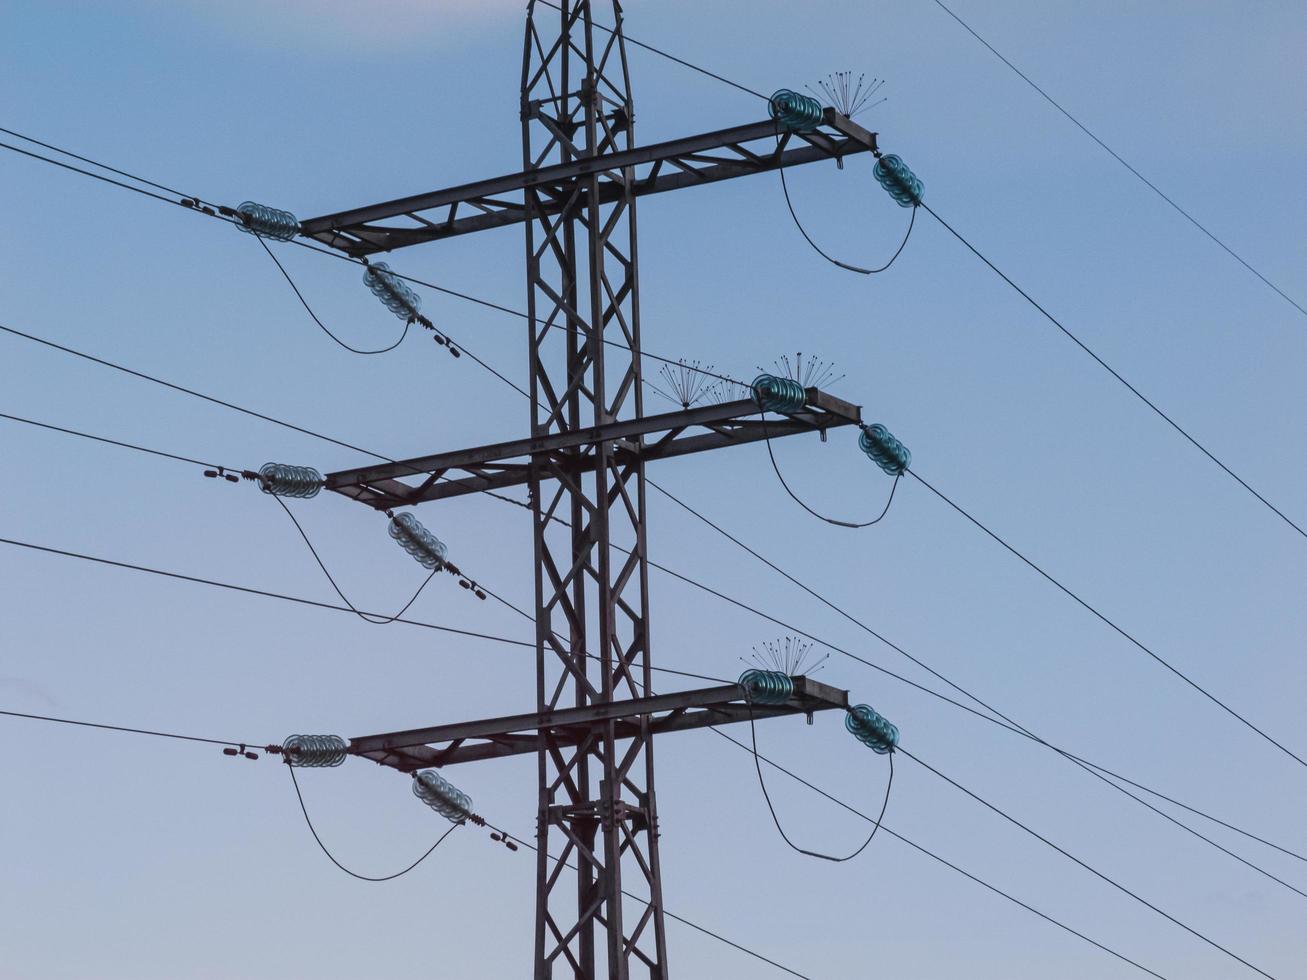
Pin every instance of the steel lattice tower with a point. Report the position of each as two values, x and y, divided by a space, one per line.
596 799
595 716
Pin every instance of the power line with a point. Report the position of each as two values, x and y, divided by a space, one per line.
354 874
762 785
785 187
1129 636
123 728
1092 870
193 738
671 915
186 391
367 618
948 864
1002 720
670 57
1113 372
237 588
249 590
212 213
1121 160
114 442
520 391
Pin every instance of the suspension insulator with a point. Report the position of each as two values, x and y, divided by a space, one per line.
872 729
896 177
766 686
259 219
887 452
314 751
442 796
794 111
429 550
392 291
775 394
285 480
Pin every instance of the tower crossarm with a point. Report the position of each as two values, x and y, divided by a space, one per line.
491 738
687 162
508 464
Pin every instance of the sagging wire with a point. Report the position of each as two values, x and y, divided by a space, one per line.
854 525
331 857
822 517
794 112
789 204
322 326
366 617
762 784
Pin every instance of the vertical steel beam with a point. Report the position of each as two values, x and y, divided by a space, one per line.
596 803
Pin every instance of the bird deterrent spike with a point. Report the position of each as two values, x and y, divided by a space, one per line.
849 96
688 381
814 372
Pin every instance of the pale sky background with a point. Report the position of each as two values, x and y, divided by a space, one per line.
128 857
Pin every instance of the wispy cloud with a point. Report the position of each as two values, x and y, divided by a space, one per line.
30 689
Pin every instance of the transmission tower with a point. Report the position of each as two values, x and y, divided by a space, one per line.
596 714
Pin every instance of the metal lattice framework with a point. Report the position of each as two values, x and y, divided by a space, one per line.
597 797
599 895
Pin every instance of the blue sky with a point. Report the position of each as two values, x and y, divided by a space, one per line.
127 857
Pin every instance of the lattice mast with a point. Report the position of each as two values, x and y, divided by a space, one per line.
596 803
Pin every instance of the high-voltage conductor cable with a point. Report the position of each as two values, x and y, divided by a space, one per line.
1118 629
948 864
1092 870
993 716
845 614
670 57
853 525
1121 160
298 600
354 874
789 204
1113 372
671 915
1012 727
137 731
1157 190
771 808
322 326
249 590
1006 722
1077 340
200 206
1002 721
276 749
366 617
